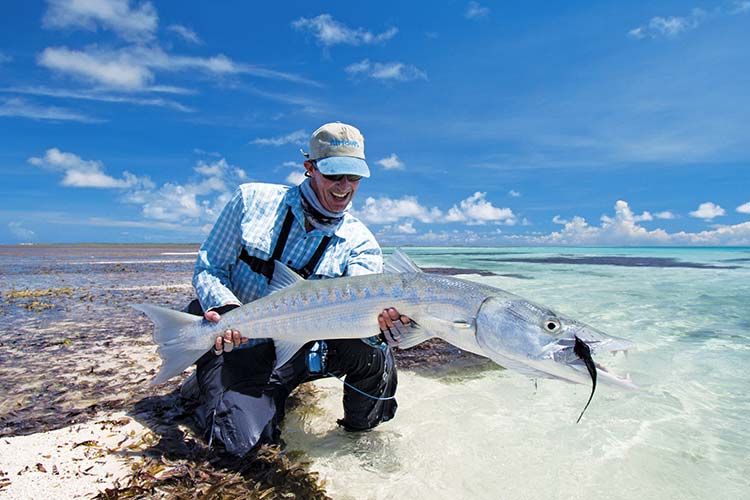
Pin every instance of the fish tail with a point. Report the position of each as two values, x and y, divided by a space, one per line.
175 347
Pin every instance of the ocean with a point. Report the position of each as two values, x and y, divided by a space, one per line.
491 433
476 430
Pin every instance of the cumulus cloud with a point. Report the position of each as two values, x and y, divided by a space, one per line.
406 228
386 71
186 33
476 11
295 178
476 210
298 137
84 173
135 23
622 228
667 215
708 211
744 208
328 32
514 194
24 109
391 162
387 210
196 203
21 233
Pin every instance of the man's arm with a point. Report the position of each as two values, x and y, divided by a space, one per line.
216 257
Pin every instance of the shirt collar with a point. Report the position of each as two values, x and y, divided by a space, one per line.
293 200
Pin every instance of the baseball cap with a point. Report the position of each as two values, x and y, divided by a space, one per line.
338 148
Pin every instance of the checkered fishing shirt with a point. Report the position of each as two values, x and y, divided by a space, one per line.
252 219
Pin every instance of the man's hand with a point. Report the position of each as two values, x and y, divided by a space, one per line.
392 325
229 340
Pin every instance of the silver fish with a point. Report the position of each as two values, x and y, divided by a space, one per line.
511 331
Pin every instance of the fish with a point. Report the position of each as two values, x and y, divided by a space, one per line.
506 328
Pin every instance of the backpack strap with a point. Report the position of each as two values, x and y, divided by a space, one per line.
266 267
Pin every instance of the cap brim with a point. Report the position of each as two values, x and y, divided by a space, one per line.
334 165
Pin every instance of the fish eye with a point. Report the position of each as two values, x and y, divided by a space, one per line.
552 325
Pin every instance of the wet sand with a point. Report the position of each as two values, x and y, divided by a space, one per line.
78 417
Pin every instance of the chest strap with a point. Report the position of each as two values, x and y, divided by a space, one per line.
266 267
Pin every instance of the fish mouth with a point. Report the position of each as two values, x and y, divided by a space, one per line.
611 345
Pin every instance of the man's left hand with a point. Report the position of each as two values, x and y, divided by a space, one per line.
393 325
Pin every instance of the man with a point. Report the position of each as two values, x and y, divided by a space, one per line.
240 395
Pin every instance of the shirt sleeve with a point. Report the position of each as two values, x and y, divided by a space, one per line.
217 256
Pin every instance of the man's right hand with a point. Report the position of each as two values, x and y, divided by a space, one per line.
227 341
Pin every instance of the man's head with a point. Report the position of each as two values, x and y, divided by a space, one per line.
335 164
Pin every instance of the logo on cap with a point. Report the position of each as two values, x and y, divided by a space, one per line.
344 142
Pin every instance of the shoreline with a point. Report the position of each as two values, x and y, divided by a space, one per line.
79 418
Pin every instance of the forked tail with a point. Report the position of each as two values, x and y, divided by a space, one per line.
176 347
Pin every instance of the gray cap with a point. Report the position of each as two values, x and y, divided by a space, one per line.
339 148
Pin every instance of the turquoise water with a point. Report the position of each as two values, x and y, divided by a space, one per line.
485 434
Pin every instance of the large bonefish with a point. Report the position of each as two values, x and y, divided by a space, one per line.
511 331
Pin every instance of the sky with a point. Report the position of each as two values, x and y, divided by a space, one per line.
485 123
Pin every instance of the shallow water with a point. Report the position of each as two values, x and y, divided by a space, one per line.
495 434
461 431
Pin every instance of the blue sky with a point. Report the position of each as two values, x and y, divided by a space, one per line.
486 123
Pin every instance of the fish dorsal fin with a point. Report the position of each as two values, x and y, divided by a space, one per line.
399 262
283 277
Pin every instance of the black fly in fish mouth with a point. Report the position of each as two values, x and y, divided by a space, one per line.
582 350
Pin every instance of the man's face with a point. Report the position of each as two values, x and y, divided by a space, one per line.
333 195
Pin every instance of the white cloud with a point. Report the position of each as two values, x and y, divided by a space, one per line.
329 32
741 6
136 23
84 173
392 162
744 208
665 215
106 68
476 11
406 228
295 178
132 68
622 229
386 71
298 137
186 33
5 58
21 233
514 194
669 27
387 210
198 202
476 210
24 109
94 95
708 211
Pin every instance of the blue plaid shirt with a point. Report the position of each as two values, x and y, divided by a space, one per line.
252 219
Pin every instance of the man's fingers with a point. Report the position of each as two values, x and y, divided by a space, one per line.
228 341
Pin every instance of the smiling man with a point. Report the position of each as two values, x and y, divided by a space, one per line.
240 396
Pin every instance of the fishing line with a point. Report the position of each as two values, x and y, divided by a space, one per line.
329 374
